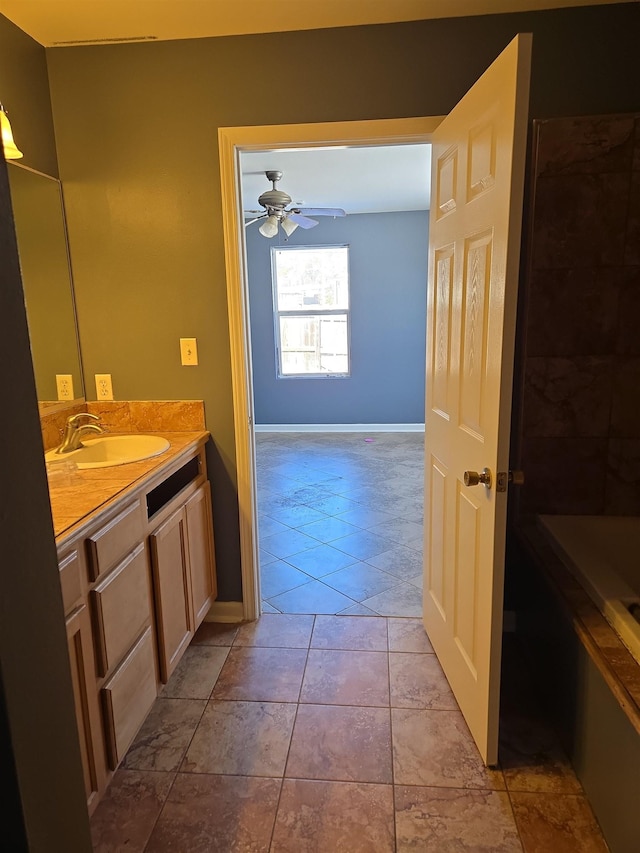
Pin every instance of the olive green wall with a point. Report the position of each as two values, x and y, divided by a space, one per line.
24 91
136 127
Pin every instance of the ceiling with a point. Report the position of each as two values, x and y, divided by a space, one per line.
65 22
374 179
364 180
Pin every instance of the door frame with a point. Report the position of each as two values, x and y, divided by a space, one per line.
232 141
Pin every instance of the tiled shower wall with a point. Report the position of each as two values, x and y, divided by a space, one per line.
580 422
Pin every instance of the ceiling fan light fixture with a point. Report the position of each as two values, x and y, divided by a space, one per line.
275 204
269 227
288 226
11 151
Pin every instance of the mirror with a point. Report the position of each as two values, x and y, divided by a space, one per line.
41 233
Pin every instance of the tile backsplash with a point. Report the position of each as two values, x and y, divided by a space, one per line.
129 416
580 428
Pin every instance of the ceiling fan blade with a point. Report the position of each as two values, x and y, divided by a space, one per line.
301 220
251 221
320 211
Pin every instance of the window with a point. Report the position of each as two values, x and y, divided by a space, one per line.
311 310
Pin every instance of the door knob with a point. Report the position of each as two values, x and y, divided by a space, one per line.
472 478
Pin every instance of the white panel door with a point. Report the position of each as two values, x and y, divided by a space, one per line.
474 245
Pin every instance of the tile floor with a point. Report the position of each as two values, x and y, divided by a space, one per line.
315 734
340 522
311 732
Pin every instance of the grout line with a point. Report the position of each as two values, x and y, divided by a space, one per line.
393 772
513 812
160 810
293 727
195 729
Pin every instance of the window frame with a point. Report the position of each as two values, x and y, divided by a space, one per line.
302 312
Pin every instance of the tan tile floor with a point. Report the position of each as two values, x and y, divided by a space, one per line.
314 734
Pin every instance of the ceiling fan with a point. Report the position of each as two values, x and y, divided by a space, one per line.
277 211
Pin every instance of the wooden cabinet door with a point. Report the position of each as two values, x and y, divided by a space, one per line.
201 555
128 696
85 697
170 560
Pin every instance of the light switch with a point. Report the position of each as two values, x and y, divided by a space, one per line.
64 385
188 351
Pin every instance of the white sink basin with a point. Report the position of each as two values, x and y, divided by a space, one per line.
110 450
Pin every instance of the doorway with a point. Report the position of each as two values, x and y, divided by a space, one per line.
234 141
337 329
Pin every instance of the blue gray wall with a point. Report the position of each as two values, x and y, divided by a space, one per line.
388 275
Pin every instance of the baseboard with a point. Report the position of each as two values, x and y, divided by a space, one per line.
339 427
225 611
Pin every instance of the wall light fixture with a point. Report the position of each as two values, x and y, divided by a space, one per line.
11 151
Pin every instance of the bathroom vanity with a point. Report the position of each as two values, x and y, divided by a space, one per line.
137 572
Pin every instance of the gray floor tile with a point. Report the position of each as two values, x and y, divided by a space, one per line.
401 600
294 516
398 529
267 526
328 529
403 563
319 483
273 502
277 482
307 494
362 544
313 597
320 561
287 543
358 610
279 577
365 517
333 504
265 557
360 581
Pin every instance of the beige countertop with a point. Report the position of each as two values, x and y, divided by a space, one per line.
76 498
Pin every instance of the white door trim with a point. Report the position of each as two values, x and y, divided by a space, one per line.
233 140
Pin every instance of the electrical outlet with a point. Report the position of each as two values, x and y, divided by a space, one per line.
64 384
188 351
104 389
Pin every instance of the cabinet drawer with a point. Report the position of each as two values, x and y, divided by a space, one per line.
70 580
128 697
121 609
113 541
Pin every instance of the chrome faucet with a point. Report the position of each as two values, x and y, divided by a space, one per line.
74 430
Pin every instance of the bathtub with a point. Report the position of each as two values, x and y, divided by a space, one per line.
603 553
